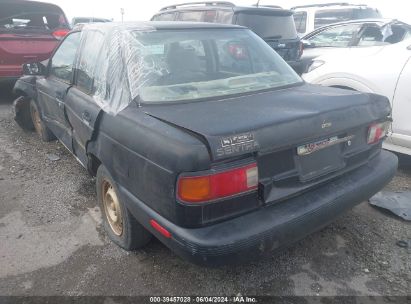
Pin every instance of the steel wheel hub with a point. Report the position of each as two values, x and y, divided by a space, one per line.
112 208
36 121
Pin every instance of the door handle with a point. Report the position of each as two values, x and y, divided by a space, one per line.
86 116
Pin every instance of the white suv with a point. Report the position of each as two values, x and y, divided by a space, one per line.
310 17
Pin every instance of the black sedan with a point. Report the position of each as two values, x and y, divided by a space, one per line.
201 135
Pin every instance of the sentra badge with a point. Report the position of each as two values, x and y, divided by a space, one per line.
237 144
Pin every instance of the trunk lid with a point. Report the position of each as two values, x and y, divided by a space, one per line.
273 121
300 136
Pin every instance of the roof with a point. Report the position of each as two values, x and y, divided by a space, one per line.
336 5
368 20
263 9
158 25
39 3
223 5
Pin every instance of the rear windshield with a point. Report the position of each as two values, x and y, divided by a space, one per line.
268 26
190 65
31 15
329 16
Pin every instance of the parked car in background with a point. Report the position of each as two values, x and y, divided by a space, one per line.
77 20
201 135
29 32
353 34
384 70
310 17
272 23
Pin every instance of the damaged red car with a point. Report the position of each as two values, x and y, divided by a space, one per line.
201 135
29 32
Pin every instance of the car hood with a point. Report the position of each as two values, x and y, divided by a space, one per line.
272 120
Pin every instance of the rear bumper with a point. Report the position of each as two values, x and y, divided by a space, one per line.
252 235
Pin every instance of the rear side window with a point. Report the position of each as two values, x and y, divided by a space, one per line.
31 16
300 20
225 17
87 61
210 16
63 60
195 16
364 13
269 26
164 17
326 17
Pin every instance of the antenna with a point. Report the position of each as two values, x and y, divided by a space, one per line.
258 3
122 12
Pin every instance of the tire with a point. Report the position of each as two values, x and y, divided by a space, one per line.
40 127
123 230
21 112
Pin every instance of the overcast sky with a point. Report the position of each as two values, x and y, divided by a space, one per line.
144 10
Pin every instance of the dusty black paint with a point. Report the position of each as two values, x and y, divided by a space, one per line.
146 148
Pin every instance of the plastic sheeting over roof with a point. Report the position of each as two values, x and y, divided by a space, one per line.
111 59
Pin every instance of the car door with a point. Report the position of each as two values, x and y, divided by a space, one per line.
81 108
401 126
53 88
329 40
339 36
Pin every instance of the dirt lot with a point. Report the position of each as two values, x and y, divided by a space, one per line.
51 241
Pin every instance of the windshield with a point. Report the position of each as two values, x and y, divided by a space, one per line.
269 26
180 65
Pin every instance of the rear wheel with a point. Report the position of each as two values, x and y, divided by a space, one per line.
120 225
41 129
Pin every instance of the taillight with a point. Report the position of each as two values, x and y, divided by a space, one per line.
60 33
377 131
210 187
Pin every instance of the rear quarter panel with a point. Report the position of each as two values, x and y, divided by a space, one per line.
145 156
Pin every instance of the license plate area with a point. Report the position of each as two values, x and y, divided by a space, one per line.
319 158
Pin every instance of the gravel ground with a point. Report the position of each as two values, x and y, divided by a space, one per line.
52 243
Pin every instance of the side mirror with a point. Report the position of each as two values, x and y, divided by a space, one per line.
34 69
308 44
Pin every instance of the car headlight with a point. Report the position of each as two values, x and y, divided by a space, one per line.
316 64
